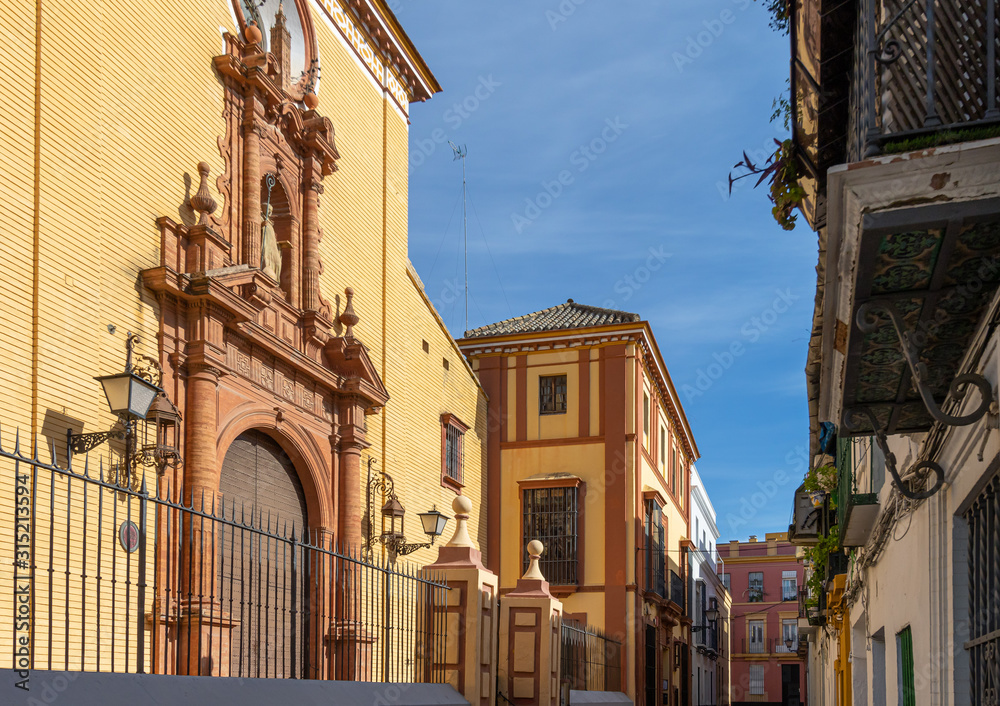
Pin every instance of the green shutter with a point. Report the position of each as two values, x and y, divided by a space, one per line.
908 695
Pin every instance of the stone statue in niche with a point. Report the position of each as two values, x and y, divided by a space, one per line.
270 254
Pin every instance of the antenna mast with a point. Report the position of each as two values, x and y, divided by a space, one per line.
460 153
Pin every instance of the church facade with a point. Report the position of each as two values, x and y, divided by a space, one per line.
227 181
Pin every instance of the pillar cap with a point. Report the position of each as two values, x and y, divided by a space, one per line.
535 550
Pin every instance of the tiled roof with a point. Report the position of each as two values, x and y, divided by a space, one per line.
564 316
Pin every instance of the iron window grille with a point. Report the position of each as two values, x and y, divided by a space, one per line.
655 563
551 515
552 394
757 679
983 518
452 451
755 593
727 581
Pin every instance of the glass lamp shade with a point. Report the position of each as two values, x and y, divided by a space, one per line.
434 523
128 394
711 615
789 642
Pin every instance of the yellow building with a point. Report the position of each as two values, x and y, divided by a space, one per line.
228 181
590 452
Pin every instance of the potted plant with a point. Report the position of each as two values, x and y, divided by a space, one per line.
820 482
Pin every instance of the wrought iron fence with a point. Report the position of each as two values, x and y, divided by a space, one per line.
118 578
922 66
591 661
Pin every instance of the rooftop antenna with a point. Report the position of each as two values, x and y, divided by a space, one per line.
460 153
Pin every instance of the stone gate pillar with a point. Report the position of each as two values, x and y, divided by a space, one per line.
469 660
530 638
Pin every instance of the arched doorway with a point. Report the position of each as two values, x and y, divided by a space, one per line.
261 585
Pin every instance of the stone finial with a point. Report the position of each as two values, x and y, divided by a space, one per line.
535 549
202 202
348 318
462 507
252 33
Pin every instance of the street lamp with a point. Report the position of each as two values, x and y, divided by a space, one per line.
135 395
788 643
393 513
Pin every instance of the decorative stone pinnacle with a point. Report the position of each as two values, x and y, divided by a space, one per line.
535 549
462 507
348 318
202 202
252 33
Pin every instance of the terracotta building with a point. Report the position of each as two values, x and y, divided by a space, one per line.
230 184
589 451
764 579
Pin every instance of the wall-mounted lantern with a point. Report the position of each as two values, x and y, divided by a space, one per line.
392 537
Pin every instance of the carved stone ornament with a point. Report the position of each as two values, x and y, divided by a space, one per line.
202 202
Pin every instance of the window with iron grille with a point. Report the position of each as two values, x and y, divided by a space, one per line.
552 394
655 564
726 581
983 519
452 451
673 470
551 515
663 449
757 679
789 586
755 594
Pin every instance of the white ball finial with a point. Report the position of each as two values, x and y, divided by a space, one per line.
462 507
535 549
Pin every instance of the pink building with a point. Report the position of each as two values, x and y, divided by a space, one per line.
764 579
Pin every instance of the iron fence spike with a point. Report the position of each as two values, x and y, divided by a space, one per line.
17 441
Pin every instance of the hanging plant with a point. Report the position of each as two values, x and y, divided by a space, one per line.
819 556
822 478
782 173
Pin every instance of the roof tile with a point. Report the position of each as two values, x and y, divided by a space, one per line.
564 316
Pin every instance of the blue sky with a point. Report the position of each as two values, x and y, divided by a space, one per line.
600 136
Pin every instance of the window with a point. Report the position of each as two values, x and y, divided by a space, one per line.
550 515
673 470
655 574
755 629
757 679
552 394
755 593
904 668
789 586
663 449
452 451
789 631
645 419
726 579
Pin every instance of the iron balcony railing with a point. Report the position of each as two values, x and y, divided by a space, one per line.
860 474
591 661
707 637
769 646
921 67
126 579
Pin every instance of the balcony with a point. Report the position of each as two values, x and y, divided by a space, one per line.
921 68
770 646
861 469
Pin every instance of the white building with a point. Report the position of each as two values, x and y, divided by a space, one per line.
710 648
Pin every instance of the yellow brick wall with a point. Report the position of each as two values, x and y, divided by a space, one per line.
128 104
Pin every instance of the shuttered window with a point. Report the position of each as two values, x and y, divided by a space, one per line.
904 649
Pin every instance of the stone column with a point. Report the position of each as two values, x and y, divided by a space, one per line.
468 660
203 628
251 189
530 638
310 241
352 643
